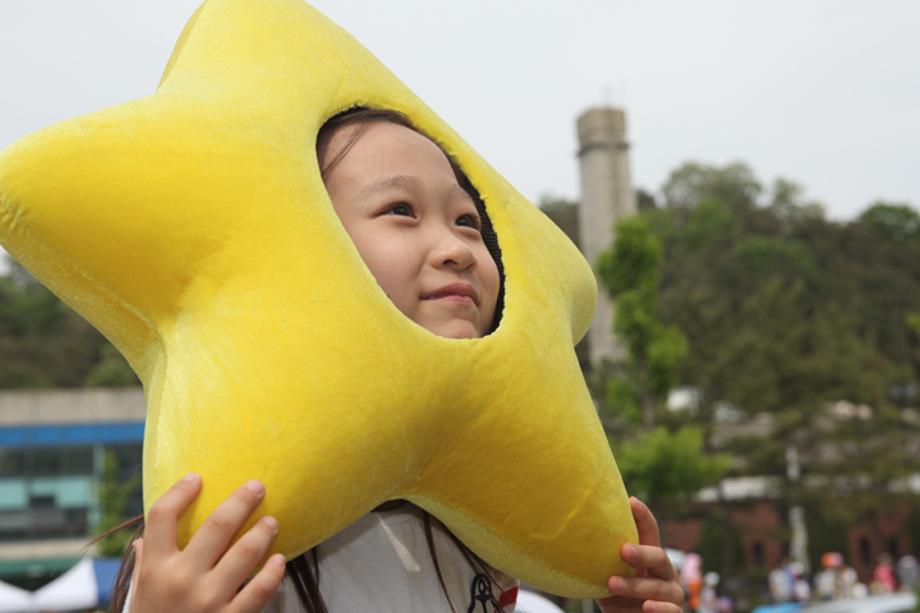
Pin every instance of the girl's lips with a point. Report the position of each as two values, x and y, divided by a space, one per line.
453 298
455 291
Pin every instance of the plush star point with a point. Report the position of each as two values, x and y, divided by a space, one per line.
193 229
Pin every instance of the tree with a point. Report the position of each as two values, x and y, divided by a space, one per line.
664 466
895 221
693 184
44 343
786 314
114 495
112 370
564 214
630 273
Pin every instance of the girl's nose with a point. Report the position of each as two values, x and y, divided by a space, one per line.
452 251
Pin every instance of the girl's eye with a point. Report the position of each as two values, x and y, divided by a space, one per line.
401 208
469 220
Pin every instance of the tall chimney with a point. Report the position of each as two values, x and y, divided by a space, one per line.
606 196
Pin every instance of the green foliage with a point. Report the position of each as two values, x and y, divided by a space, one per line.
111 371
623 399
913 322
720 544
693 183
645 201
45 344
786 204
630 272
666 468
786 313
113 498
802 306
661 466
666 351
563 212
826 532
708 223
633 263
892 221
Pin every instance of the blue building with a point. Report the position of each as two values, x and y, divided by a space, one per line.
53 450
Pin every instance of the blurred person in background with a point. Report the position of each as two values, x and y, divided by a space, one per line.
691 579
781 582
883 581
801 589
828 582
908 573
709 600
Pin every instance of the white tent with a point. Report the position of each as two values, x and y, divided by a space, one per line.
86 585
75 589
14 600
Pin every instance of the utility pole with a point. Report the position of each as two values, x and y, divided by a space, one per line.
799 546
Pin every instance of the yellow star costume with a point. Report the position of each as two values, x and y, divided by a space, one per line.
193 229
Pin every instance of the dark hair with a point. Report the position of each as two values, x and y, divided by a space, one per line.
304 569
363 118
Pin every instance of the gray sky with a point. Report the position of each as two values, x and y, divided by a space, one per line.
825 92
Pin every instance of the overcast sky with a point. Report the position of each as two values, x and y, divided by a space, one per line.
825 92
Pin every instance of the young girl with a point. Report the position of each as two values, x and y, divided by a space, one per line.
423 232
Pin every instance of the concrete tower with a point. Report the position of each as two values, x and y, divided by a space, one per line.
606 196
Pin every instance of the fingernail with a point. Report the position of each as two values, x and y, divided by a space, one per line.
630 549
278 560
271 522
191 477
255 486
615 584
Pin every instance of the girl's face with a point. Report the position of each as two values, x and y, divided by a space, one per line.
415 227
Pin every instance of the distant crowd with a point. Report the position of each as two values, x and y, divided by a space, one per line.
836 580
789 583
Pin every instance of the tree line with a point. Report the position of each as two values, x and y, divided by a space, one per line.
787 331
45 344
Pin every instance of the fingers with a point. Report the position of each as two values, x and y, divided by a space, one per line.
646 523
646 588
655 585
618 604
211 540
650 606
165 513
654 559
241 560
256 594
138 546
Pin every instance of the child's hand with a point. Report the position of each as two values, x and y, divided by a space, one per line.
205 576
655 587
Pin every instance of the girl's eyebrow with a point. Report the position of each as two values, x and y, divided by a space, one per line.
458 189
394 181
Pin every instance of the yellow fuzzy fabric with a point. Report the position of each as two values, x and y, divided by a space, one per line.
193 229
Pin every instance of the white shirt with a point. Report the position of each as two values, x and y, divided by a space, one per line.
382 563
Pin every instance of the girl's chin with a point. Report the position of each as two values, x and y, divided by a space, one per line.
454 328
